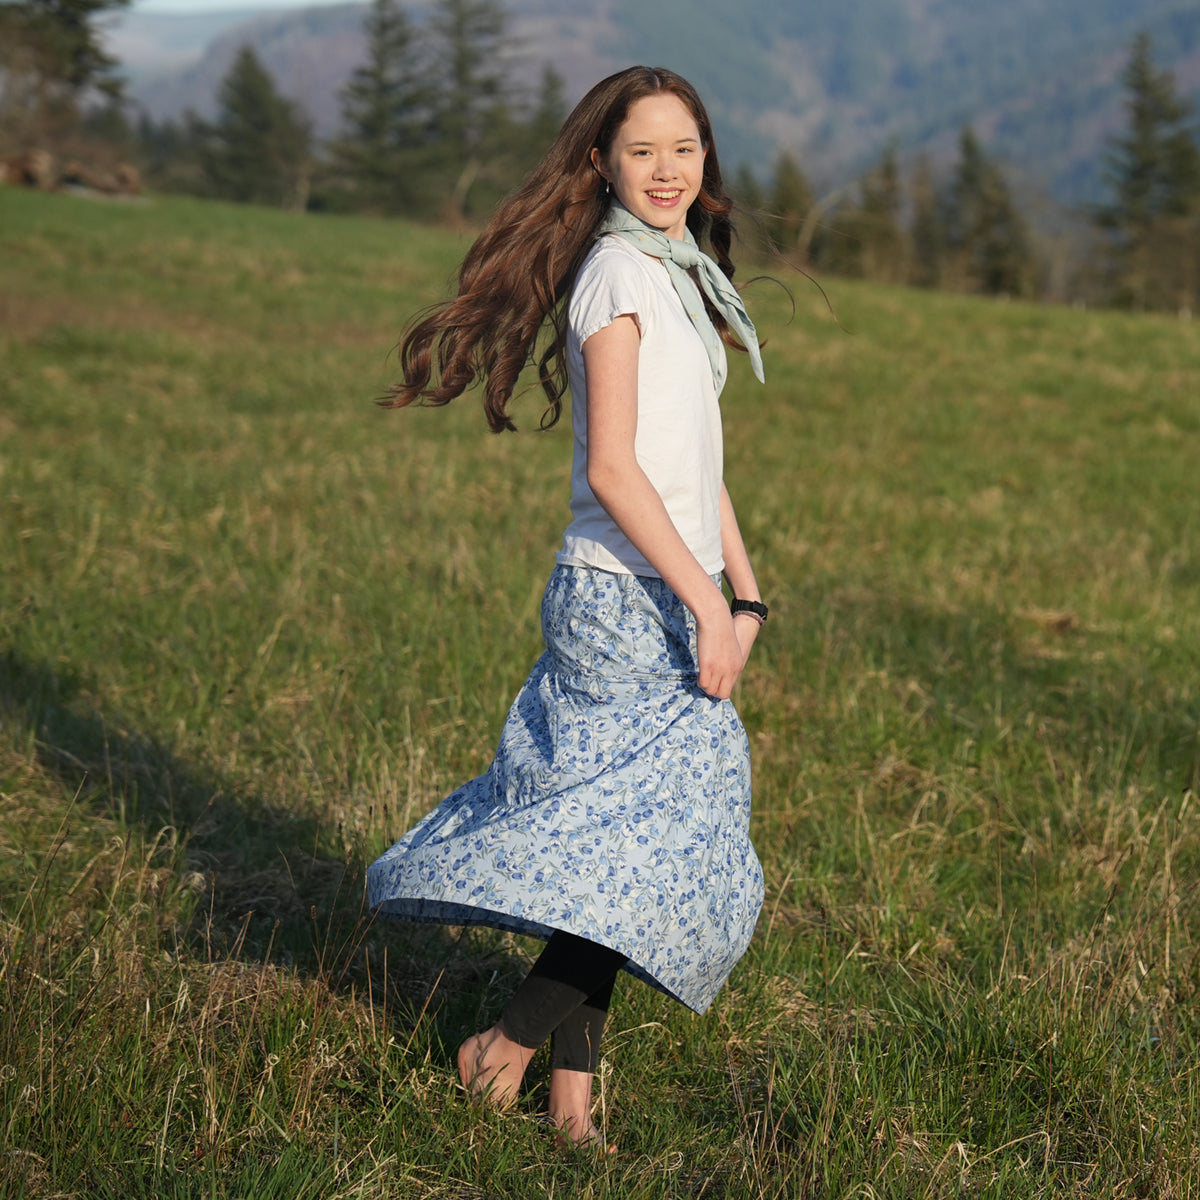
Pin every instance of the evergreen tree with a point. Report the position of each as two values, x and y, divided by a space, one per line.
471 105
747 190
790 202
867 239
169 154
51 55
986 237
109 125
259 149
516 146
60 39
549 112
751 214
385 113
926 231
1154 174
835 245
884 246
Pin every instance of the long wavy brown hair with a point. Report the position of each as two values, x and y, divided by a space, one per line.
521 269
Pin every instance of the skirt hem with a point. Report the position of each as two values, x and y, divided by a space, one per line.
425 912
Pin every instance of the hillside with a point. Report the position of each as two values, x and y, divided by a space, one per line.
833 81
252 627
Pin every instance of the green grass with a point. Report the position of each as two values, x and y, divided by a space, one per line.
251 627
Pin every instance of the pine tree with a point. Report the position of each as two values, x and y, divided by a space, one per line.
169 153
987 239
109 125
51 54
471 104
517 145
790 201
385 114
1154 174
881 247
747 190
751 214
259 149
927 233
549 111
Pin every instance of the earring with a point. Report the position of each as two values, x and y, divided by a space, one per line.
607 187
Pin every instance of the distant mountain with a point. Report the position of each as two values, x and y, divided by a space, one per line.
832 81
177 62
148 44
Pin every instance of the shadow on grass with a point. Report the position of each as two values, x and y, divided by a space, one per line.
277 889
1093 697
269 886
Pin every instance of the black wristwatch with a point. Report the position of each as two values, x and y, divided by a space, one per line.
755 608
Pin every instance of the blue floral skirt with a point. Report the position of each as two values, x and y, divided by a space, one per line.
617 807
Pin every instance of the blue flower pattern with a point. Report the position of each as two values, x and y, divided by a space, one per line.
617 806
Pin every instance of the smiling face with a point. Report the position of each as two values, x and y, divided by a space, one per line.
656 162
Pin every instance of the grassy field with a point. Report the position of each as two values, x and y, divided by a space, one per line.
251 627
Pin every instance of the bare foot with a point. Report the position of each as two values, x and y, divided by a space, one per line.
491 1066
589 1141
571 1112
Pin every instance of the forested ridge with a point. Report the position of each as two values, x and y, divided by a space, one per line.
829 82
434 121
847 75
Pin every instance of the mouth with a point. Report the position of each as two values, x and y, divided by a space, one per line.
665 197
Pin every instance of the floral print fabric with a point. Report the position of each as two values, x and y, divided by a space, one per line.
617 806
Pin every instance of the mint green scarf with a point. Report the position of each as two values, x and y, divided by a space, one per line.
678 255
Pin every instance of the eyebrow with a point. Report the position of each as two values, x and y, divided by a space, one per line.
678 142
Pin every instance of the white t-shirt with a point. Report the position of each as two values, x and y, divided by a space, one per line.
678 441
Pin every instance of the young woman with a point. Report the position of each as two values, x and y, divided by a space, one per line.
614 819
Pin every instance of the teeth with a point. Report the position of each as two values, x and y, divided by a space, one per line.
663 195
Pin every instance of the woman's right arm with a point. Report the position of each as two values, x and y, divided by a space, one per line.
618 482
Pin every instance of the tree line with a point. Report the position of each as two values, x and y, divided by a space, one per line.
432 127
964 230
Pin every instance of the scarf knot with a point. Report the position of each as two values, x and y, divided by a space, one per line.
679 255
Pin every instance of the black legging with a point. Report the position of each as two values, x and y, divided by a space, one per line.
565 997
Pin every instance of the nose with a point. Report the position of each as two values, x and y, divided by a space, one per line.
664 166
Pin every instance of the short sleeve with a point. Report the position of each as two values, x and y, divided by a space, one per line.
610 284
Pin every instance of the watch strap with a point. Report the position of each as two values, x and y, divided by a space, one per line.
754 607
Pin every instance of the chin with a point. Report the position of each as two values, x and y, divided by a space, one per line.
664 222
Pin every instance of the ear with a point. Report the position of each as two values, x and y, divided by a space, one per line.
598 161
